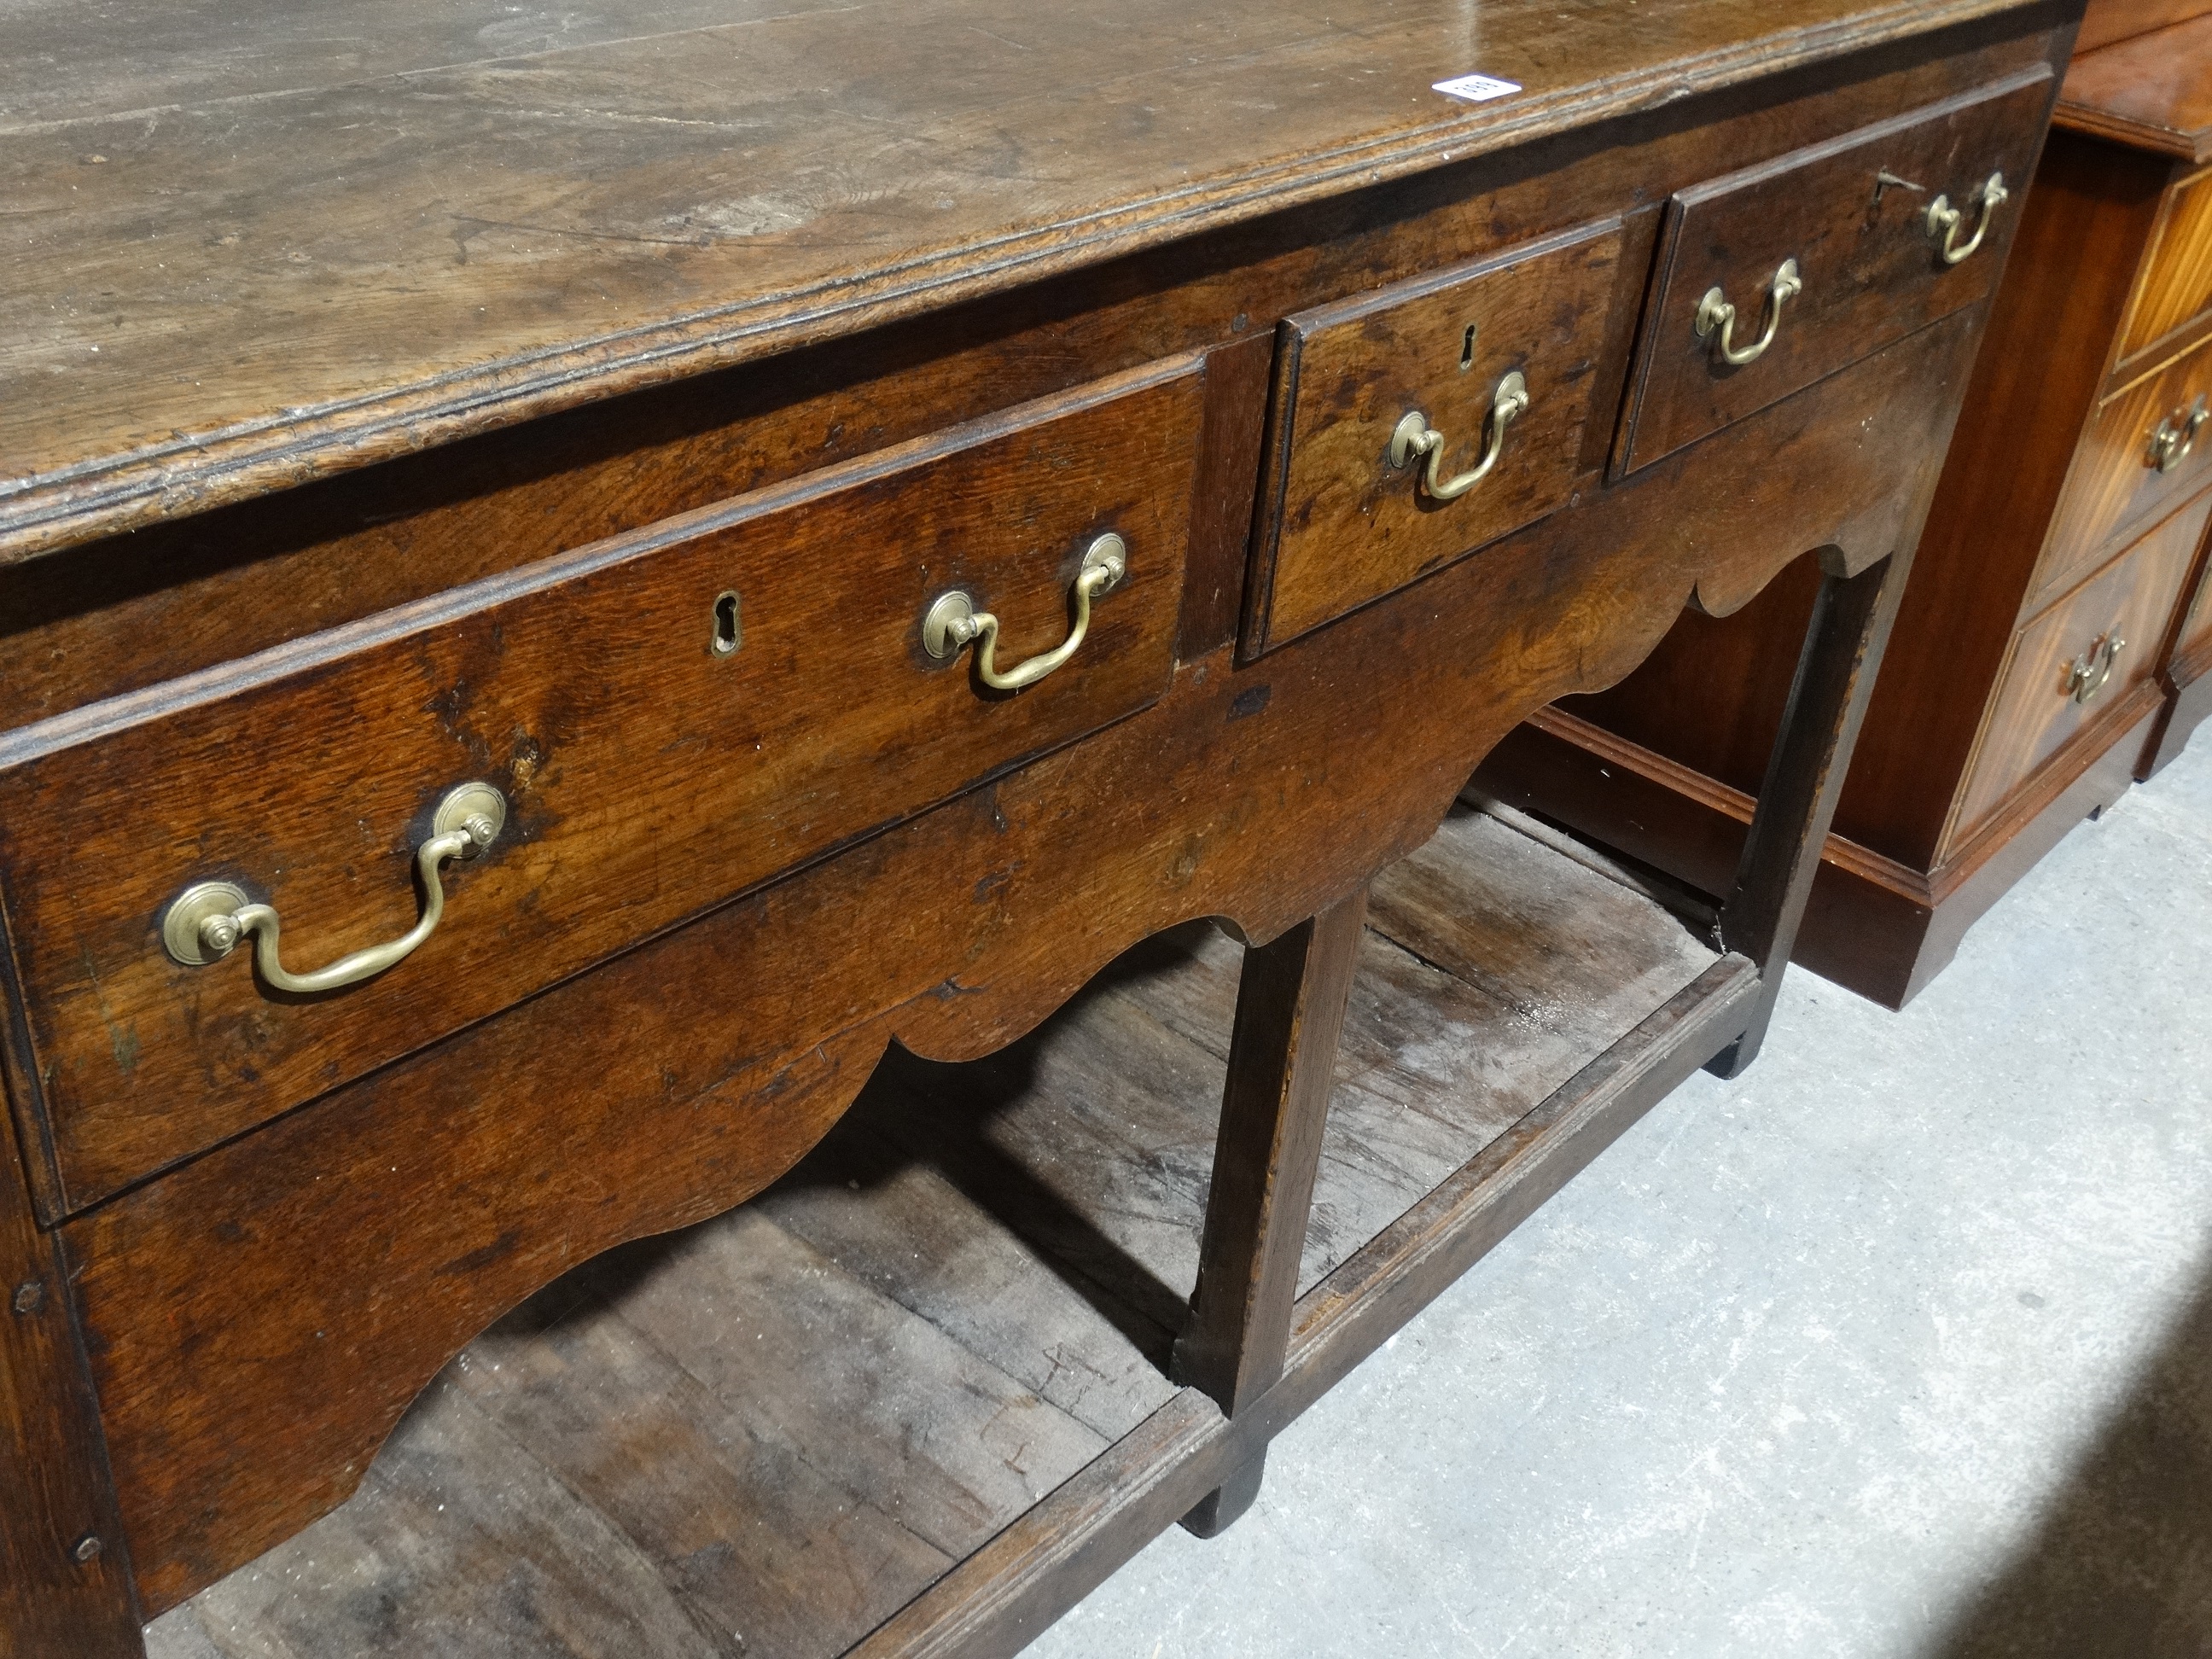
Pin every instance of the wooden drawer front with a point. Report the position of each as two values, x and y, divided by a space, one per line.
1342 525
1870 272
647 775
2034 711
2177 280
2115 486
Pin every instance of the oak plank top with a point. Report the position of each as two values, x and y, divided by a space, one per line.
251 244
2151 91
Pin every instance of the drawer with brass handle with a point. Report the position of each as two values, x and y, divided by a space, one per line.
1781 273
2075 665
2143 452
1415 424
455 805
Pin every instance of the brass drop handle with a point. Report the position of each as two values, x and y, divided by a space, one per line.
1415 439
208 919
2087 674
1716 317
952 622
1944 220
2176 436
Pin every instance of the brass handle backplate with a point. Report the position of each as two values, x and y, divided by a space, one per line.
952 622
2172 439
1944 220
208 919
1415 440
2087 674
1716 317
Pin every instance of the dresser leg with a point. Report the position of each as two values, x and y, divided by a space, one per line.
1282 1057
64 1578
1843 644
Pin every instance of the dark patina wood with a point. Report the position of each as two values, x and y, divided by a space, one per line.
2054 534
1282 1055
677 332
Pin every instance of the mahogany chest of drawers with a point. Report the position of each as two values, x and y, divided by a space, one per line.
2055 639
869 648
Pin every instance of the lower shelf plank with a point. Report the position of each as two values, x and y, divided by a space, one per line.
913 1398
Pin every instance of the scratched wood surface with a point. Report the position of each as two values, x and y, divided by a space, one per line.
763 1435
250 244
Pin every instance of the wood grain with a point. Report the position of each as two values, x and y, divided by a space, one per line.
562 225
176 596
2113 492
1338 525
54 1464
2030 715
2176 286
1871 273
720 1052
742 1432
1759 918
2107 20
646 776
2147 90
1290 1000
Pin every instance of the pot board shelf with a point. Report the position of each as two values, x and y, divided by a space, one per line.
913 1399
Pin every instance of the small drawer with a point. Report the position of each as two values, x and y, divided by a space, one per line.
2176 286
2144 452
1497 359
2076 660
666 719
1826 255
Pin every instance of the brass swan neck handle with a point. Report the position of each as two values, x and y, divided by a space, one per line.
206 922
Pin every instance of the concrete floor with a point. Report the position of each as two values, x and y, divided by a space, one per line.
1900 1345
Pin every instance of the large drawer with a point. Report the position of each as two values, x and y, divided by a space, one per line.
667 717
1842 232
2144 452
2077 659
1493 363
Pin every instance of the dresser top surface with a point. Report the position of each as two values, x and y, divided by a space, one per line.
253 242
2151 91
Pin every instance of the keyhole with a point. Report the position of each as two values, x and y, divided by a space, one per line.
1466 349
726 633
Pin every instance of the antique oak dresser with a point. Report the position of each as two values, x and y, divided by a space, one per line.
2056 639
850 642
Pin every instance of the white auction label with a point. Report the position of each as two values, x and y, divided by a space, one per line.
1476 89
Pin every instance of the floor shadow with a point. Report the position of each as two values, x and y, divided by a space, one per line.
2120 1565
940 1116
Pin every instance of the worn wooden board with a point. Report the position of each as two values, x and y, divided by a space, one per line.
247 248
766 1433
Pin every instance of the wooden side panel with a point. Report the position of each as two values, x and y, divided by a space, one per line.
64 1570
647 777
